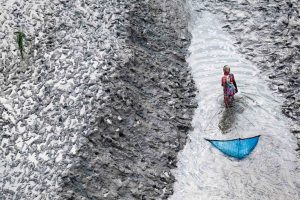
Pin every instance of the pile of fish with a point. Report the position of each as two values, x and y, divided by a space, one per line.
96 98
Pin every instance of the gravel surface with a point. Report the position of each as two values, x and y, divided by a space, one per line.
101 103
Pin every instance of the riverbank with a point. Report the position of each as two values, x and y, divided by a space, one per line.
267 33
101 103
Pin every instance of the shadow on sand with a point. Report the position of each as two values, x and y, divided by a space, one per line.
229 115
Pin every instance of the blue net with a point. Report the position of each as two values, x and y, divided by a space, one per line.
237 148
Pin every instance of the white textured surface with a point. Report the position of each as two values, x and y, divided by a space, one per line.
204 173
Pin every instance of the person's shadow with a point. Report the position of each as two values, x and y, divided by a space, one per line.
229 115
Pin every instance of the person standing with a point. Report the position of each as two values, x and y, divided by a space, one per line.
229 85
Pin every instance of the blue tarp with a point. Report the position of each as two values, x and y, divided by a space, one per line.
237 148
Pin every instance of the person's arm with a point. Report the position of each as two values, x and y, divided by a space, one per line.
234 83
222 81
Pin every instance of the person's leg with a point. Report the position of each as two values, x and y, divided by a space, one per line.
226 101
230 100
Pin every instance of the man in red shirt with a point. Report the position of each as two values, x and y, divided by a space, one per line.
229 85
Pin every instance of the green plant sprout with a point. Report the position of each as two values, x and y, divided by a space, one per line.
20 42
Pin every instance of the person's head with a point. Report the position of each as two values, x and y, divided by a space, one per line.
226 69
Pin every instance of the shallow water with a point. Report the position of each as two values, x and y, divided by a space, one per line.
203 172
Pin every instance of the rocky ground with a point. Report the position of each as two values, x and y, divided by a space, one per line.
101 103
268 33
